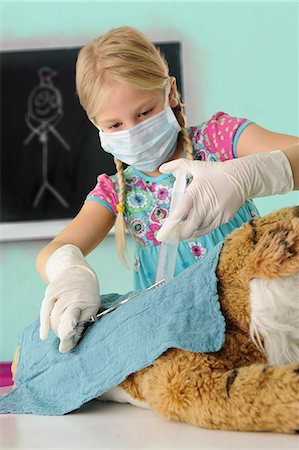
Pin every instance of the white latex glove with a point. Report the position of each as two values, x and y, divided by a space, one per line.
219 189
72 296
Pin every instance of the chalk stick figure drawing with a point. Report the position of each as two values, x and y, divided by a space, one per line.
44 111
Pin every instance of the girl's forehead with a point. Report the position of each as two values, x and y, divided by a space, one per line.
121 91
119 97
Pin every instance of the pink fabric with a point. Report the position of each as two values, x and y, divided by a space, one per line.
218 135
5 374
105 190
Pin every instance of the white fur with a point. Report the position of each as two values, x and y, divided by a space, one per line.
118 395
275 318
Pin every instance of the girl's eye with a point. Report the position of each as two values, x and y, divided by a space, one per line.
145 113
116 125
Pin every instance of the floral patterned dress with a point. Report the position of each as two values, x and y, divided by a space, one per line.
147 200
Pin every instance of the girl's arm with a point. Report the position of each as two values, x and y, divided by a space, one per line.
73 293
255 139
85 231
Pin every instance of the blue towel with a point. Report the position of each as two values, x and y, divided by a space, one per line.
184 313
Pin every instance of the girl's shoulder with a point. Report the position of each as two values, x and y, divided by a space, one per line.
216 139
105 192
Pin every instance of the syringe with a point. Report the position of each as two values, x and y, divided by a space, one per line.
169 248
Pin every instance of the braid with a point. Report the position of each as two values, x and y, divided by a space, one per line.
120 225
183 136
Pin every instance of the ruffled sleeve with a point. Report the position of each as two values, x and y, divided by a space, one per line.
220 135
104 192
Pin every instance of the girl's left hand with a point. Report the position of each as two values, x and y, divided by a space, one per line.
219 189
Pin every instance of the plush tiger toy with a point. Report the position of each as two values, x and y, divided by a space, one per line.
252 383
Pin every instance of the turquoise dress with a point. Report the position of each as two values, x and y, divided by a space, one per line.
147 202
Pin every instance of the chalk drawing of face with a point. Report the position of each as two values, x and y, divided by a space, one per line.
45 100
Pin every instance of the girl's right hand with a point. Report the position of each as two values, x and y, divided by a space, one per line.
71 297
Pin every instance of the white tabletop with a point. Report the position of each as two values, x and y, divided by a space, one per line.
119 426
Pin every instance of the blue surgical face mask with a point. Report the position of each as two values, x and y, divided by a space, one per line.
146 145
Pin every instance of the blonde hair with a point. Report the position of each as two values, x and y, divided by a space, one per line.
125 55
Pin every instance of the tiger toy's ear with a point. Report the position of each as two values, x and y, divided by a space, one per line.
276 253
243 242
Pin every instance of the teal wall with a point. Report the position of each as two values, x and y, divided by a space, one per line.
239 57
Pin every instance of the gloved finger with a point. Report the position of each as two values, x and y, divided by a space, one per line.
176 164
70 333
205 230
78 333
66 345
62 303
200 217
45 312
68 322
55 316
168 229
188 227
171 223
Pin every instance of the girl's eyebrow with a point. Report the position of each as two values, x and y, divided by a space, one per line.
108 121
140 107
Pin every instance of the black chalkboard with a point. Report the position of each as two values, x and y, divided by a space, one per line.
50 156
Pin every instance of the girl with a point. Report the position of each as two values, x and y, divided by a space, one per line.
124 85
